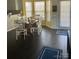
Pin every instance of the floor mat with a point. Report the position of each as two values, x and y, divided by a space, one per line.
59 32
50 53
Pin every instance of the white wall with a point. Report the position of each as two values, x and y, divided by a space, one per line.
55 16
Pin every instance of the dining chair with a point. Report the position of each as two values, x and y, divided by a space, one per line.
20 28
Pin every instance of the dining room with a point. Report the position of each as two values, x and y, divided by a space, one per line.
37 27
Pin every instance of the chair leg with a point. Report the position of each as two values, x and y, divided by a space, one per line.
31 30
25 33
24 36
39 31
16 36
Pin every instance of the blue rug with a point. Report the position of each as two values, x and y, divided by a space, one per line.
61 33
50 53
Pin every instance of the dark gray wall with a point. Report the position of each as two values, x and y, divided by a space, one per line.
19 4
11 5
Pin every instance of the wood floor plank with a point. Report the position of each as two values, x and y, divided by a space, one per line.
30 48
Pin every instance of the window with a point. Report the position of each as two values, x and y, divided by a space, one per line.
40 9
28 9
65 13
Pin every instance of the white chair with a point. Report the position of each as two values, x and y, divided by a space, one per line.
20 28
36 26
33 25
39 27
39 23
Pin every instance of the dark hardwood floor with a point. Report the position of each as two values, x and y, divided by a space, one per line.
31 47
